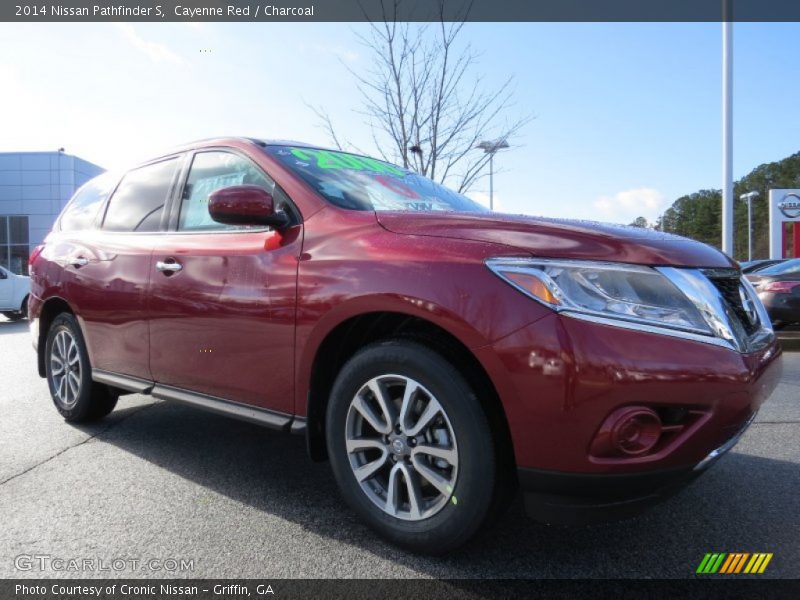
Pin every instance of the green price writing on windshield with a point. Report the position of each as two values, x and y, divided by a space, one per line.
335 160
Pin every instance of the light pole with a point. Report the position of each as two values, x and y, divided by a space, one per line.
727 128
490 148
749 197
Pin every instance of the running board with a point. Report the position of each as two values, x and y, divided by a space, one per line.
125 382
228 408
244 412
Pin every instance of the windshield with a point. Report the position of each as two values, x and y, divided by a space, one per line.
783 268
362 183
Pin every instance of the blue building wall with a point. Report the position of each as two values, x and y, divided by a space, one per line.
36 185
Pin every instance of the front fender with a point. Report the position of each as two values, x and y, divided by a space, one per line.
352 266
311 337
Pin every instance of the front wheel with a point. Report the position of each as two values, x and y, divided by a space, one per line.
69 375
411 447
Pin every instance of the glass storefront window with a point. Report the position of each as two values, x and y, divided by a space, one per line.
14 246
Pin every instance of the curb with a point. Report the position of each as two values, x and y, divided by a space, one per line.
789 338
789 344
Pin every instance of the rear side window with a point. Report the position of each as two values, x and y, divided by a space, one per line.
81 211
138 202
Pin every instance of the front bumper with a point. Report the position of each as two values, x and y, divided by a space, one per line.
560 378
577 499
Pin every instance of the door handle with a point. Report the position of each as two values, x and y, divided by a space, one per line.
78 262
168 267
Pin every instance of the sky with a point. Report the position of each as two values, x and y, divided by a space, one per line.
627 116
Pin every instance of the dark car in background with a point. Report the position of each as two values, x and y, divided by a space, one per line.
437 353
752 266
778 287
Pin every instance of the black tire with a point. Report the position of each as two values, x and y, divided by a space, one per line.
470 504
87 400
13 316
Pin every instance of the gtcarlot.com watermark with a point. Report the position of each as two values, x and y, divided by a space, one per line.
61 564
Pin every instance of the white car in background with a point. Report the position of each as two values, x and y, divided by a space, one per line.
14 290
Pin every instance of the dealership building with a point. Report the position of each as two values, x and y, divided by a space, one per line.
34 187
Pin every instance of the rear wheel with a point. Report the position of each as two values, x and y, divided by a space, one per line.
69 374
411 447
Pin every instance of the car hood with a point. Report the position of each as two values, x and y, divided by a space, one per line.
560 238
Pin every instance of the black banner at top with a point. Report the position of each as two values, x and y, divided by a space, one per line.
400 10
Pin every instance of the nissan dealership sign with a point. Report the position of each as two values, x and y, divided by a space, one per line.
784 207
790 205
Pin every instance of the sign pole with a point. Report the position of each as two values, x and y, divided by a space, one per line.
727 131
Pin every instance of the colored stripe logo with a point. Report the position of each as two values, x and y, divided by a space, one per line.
732 563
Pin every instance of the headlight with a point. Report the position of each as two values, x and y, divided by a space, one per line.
629 293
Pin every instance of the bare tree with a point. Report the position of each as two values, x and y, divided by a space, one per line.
425 108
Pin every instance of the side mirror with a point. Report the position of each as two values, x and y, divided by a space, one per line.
245 205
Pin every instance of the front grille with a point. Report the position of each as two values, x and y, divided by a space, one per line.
728 283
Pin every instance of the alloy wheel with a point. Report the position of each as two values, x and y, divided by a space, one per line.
401 447
65 369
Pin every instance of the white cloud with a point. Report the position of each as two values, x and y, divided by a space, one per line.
344 54
155 51
624 207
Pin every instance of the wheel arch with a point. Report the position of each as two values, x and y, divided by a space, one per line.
346 338
51 308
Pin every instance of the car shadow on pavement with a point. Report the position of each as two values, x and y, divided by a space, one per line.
743 504
7 326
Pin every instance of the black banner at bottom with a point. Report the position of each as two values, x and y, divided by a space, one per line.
416 589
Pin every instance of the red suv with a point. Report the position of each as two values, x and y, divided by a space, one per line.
438 354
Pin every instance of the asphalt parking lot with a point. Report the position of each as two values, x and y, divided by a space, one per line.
161 481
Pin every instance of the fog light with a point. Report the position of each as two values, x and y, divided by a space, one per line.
630 431
636 431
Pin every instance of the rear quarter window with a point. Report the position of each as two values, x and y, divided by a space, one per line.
81 212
